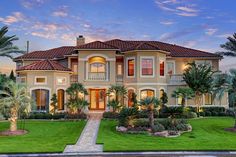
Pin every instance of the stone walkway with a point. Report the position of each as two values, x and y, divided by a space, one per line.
87 140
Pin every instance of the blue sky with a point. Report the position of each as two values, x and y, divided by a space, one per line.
201 24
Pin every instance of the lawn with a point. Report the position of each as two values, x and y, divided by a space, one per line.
43 136
207 134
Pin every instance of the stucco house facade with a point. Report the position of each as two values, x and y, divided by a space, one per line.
143 67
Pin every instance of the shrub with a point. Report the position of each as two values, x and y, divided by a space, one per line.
141 122
58 116
182 127
214 113
76 116
127 115
158 128
222 113
230 112
175 111
144 114
202 114
190 115
111 115
208 113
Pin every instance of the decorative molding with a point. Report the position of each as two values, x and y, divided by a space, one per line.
153 67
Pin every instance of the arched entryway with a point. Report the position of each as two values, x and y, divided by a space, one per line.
130 97
41 99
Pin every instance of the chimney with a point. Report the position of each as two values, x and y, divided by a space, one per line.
80 40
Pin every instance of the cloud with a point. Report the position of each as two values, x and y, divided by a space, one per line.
211 31
29 4
167 22
46 35
61 12
14 18
180 7
190 43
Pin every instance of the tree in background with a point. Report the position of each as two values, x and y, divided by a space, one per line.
184 94
199 79
54 103
229 46
163 98
7 49
12 76
16 99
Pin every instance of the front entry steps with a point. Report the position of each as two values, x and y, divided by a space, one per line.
87 140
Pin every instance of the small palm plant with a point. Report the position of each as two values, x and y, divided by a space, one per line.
54 103
150 103
114 104
119 91
16 98
184 93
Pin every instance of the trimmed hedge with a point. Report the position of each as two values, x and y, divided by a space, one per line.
43 115
111 115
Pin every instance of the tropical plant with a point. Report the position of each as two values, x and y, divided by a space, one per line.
76 103
119 91
127 115
229 46
114 104
226 83
6 44
150 104
199 79
184 93
54 103
16 99
134 99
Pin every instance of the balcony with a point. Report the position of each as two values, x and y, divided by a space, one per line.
119 78
73 78
97 76
176 79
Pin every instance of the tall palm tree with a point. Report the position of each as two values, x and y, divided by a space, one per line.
199 79
150 103
229 46
119 91
226 83
6 44
75 89
16 99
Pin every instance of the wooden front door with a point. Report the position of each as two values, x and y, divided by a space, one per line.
97 99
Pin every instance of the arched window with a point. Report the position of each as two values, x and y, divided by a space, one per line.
147 93
97 68
61 99
130 97
41 98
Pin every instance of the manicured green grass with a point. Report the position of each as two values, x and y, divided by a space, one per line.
207 134
43 136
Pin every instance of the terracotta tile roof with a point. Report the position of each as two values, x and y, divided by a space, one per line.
45 65
175 50
97 45
48 54
122 46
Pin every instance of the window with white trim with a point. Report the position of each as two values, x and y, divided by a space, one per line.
41 80
130 67
119 69
170 68
61 80
147 93
162 68
147 66
204 62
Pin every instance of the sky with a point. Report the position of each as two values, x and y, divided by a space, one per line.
199 24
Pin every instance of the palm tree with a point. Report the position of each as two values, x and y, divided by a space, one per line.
6 44
54 103
150 103
75 102
119 91
229 46
16 99
184 93
199 79
226 83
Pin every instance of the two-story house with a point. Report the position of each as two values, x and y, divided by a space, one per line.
143 67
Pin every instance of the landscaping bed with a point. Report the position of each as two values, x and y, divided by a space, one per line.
208 134
43 136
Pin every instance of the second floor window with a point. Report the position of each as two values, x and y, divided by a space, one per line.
170 68
162 68
147 66
130 67
119 69
97 68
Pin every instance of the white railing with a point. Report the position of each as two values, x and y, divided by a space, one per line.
97 76
119 78
176 79
73 78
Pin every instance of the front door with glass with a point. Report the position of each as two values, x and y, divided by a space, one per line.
97 99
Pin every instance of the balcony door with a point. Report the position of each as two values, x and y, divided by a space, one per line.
97 99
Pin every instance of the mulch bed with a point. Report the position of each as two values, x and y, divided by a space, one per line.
13 133
231 129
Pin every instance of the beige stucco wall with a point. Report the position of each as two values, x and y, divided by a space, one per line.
50 85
